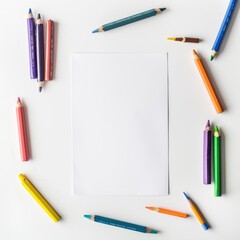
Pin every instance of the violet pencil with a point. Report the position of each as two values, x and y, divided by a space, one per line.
40 52
32 45
207 154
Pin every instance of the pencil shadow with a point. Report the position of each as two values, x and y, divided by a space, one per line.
223 164
27 130
213 82
231 23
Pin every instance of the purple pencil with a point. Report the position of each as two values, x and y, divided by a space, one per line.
32 45
40 52
207 154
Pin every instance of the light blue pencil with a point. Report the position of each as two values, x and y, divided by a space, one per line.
223 28
121 224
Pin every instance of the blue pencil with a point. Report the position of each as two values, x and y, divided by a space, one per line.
121 224
223 28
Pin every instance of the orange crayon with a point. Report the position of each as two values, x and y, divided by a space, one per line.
169 212
207 83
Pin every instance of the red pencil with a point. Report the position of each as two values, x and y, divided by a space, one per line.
49 52
22 133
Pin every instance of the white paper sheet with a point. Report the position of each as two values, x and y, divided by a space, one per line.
120 123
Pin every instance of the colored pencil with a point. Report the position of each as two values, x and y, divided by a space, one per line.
196 212
207 135
121 224
185 39
207 83
217 162
39 198
22 131
169 212
40 52
49 52
128 20
223 28
32 45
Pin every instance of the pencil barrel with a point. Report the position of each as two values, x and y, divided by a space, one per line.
217 166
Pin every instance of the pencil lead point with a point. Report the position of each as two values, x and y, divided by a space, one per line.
162 9
18 100
40 89
216 129
187 197
208 124
87 216
212 57
95 31
30 11
194 52
39 16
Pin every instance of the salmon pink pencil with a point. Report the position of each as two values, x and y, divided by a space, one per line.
49 54
22 131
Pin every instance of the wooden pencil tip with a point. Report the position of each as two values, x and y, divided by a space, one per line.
150 208
29 11
194 52
18 100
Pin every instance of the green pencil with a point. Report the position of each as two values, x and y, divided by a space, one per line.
128 20
217 162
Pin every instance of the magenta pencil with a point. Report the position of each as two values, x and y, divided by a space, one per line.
207 154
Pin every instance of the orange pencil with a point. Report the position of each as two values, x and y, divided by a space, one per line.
207 83
167 211
49 54
23 142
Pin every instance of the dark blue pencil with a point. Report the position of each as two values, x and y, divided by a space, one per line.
40 52
223 28
128 20
121 224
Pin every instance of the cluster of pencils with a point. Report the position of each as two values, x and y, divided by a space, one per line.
41 56
207 156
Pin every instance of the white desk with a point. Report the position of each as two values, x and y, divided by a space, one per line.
49 117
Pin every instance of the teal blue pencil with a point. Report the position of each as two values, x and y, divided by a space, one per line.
121 224
128 20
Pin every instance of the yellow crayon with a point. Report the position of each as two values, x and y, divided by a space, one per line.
39 198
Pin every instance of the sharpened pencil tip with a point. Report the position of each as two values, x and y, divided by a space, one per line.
194 52
18 100
212 57
40 89
95 31
39 16
187 197
208 124
87 216
150 208
30 11
216 129
162 9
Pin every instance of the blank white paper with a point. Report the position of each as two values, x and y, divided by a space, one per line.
120 123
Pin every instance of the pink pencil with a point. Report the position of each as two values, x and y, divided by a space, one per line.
22 133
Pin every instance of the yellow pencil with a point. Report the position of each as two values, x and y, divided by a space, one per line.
39 198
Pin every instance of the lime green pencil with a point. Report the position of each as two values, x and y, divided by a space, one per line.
217 162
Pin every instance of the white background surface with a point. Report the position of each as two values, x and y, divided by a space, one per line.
49 117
